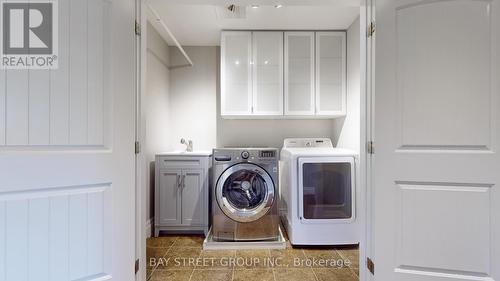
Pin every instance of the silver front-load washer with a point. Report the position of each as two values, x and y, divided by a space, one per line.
244 195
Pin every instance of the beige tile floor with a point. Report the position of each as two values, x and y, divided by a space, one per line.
181 258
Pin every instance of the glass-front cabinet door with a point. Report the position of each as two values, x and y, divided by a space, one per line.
326 189
236 73
267 73
331 73
299 73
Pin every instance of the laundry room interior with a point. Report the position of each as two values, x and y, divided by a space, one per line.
251 121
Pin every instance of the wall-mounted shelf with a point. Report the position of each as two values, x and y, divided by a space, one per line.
155 19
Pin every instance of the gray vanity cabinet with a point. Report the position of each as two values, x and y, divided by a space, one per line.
181 192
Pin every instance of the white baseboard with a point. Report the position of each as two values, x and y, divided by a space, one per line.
149 225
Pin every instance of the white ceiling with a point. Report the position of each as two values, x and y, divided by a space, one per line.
195 22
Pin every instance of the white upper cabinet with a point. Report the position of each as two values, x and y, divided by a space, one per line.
299 73
236 73
283 74
267 73
331 73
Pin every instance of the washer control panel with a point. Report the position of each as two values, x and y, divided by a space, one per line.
267 154
245 154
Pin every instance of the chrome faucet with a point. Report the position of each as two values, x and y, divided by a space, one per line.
189 144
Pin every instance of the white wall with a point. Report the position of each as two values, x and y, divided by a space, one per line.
348 129
193 98
156 108
269 132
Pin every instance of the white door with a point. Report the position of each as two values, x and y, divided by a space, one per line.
236 73
267 72
299 73
437 162
331 55
66 153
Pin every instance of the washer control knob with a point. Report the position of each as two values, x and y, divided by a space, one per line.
245 154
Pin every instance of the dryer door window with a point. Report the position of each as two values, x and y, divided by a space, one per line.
327 189
245 192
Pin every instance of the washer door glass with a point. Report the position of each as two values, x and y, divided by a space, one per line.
245 189
245 192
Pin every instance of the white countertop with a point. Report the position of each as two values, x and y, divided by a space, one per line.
186 153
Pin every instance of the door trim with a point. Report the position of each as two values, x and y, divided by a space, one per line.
364 169
367 45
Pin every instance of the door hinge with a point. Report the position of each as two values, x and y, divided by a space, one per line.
370 265
137 29
371 29
137 147
136 266
370 147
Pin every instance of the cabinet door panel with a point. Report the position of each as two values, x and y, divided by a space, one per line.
169 201
267 73
332 103
236 74
193 198
272 105
330 73
298 103
299 73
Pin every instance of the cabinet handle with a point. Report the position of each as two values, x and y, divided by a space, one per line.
183 181
177 181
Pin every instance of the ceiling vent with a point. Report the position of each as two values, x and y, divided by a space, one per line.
231 12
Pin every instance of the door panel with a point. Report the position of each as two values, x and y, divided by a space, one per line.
236 73
64 106
193 197
331 70
436 197
267 73
420 229
443 63
299 73
66 146
169 205
59 82
2 106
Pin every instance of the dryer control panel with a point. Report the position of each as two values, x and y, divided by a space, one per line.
308 142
